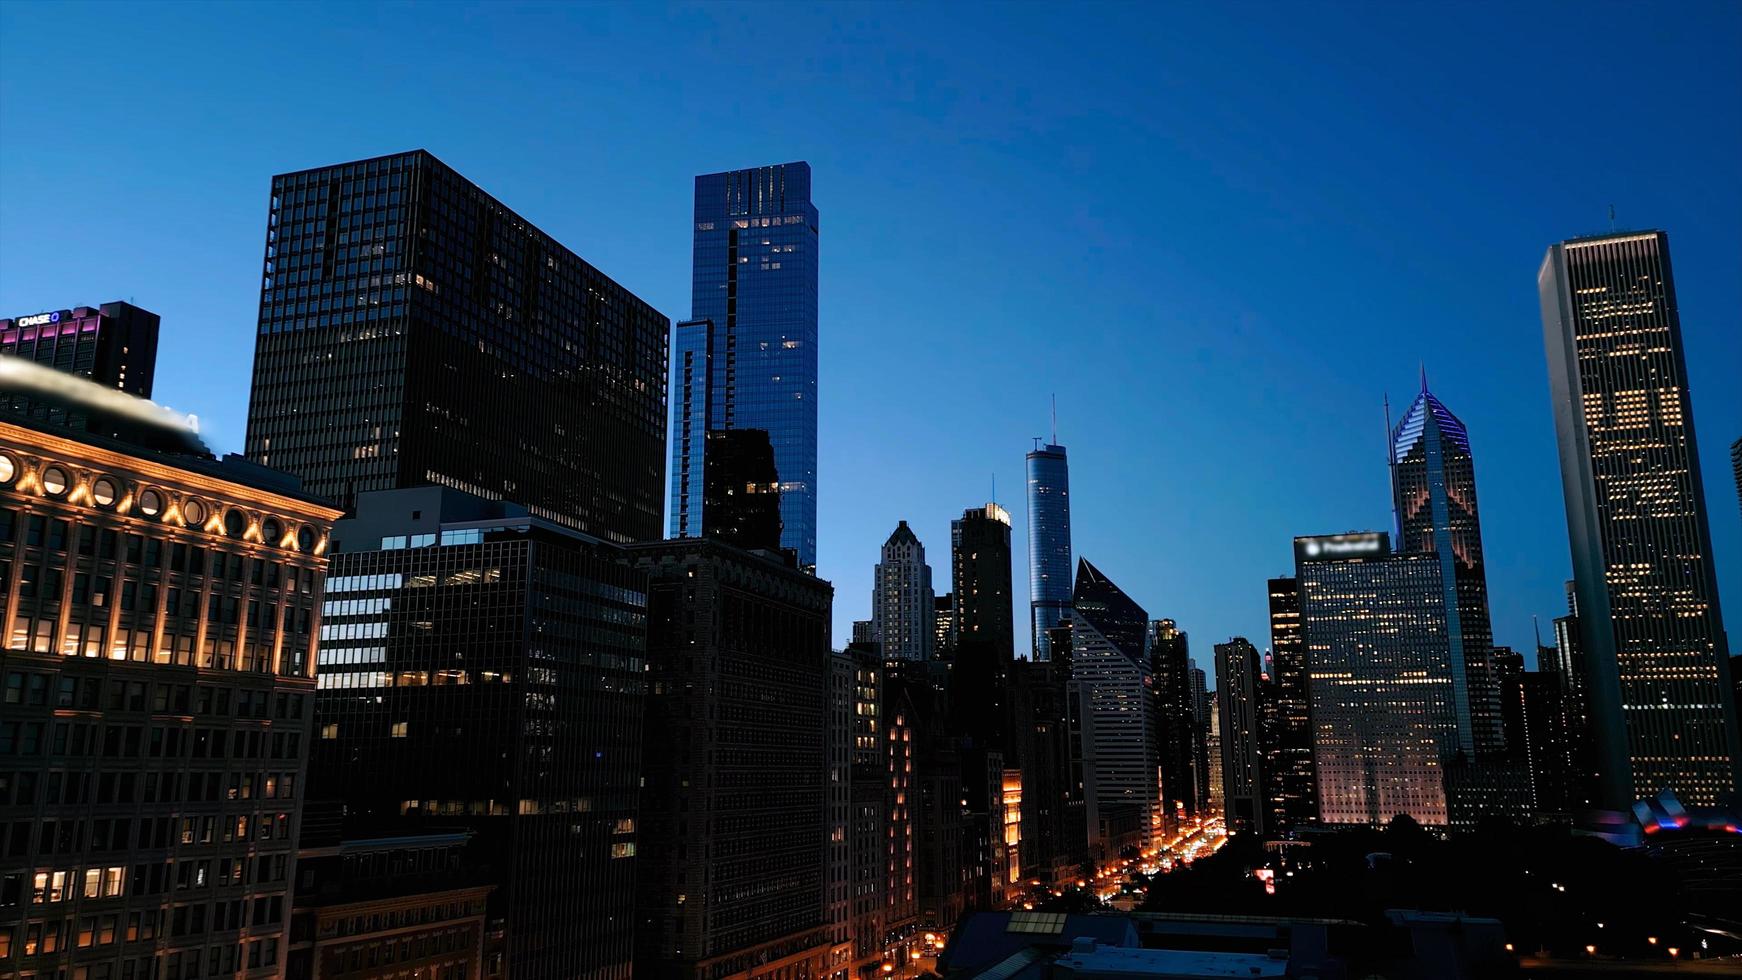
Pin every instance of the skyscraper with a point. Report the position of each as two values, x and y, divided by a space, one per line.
1379 678
742 490
980 560
1288 758
114 346
1650 628
1170 661
413 330
747 357
154 705
1049 544
903 608
1110 663
482 669
1736 467
1433 485
1237 671
732 869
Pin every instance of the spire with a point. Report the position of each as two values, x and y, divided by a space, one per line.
1055 419
1424 377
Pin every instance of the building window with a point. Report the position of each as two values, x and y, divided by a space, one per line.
103 492
151 503
8 468
54 481
399 729
193 512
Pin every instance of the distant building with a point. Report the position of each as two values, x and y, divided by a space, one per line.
742 490
1045 718
114 345
1120 741
1237 672
1379 678
1288 753
1213 773
733 869
154 705
1049 544
1201 711
414 330
864 631
1736 467
903 608
944 625
1659 692
747 357
1433 482
980 561
460 633
1171 664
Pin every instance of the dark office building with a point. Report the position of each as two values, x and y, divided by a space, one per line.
1170 661
1237 686
155 694
747 357
1044 718
1049 545
414 330
1660 689
114 345
935 800
1433 484
743 491
1121 719
1288 753
732 876
481 669
980 561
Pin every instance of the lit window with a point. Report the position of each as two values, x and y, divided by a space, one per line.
54 481
193 513
8 469
400 729
151 503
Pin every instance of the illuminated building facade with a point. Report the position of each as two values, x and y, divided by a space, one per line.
1288 752
155 693
980 560
1659 692
114 345
1379 680
1049 545
482 668
747 357
413 330
733 866
1121 752
1433 483
1237 673
903 608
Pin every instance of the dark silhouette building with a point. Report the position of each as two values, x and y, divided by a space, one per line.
1237 688
980 562
1170 662
1288 750
1659 688
743 490
747 357
733 867
1045 723
114 345
413 330
481 669
155 697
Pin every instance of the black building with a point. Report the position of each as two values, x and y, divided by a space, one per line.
1291 784
482 669
1043 712
742 489
732 876
1171 663
1237 687
155 697
114 345
980 564
413 330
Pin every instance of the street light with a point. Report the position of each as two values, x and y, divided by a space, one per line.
1590 950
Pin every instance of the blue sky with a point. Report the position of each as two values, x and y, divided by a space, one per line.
1220 233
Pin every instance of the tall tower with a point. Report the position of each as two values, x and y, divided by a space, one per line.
980 562
747 357
1650 628
1288 759
1237 671
1049 544
1433 487
1121 752
902 604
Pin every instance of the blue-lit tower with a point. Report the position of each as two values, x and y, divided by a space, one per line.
1049 544
747 358
1434 493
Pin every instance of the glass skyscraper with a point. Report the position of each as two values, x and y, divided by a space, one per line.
1659 692
747 358
1120 716
1433 484
413 330
1049 544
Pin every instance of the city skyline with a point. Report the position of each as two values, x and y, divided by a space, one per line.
1222 537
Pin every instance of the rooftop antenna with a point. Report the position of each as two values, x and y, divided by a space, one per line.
1055 419
1423 375
1611 218
994 486
1391 465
